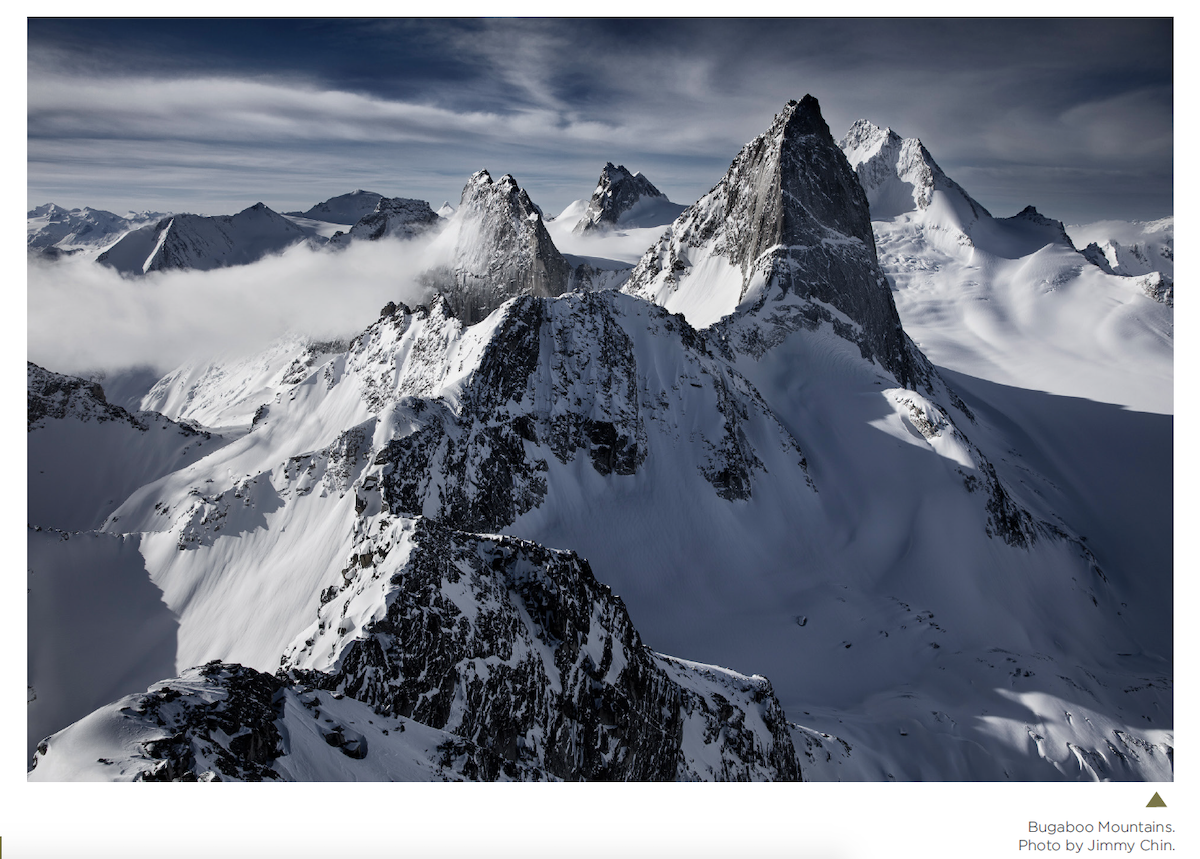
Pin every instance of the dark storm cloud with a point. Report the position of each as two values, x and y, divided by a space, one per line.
1058 113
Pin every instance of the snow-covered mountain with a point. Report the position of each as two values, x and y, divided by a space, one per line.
345 209
1130 248
942 576
392 217
621 200
423 419
53 230
1010 300
778 263
202 243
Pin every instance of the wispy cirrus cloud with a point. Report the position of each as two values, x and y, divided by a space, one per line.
417 105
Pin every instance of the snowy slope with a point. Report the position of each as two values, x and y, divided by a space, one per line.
198 242
86 456
226 393
1008 299
345 209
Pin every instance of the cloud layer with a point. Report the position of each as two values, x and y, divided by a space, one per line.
85 317
214 115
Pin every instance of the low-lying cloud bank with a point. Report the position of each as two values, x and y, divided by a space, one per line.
84 317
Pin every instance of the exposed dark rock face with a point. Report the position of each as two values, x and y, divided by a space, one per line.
1053 227
791 215
1158 286
519 650
502 250
1093 254
54 396
617 193
215 723
393 217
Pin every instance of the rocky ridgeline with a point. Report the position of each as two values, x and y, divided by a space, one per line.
56 396
518 649
552 380
393 217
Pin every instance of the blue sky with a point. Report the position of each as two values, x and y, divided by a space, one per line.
1073 116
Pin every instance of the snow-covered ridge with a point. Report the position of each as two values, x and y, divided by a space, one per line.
345 209
392 217
198 242
228 391
899 175
53 230
1000 297
1144 251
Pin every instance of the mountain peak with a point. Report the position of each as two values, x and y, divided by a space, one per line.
501 250
899 175
627 199
789 223
804 117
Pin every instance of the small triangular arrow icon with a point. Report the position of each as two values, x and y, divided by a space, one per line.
1156 801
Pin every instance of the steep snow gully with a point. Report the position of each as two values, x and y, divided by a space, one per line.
834 424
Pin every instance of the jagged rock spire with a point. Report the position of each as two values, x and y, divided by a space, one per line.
502 250
792 220
616 193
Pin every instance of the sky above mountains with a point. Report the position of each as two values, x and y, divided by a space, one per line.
1073 116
